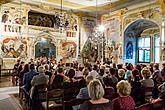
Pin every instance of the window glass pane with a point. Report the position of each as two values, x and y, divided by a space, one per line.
147 42
141 55
157 54
147 56
141 42
157 41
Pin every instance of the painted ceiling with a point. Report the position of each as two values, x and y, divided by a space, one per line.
137 27
85 5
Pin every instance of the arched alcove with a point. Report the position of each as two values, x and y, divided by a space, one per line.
131 35
45 45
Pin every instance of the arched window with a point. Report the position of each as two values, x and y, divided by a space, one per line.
144 49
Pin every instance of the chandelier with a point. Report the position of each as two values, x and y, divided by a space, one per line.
64 23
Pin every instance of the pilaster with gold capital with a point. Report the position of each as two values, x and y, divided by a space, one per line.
121 36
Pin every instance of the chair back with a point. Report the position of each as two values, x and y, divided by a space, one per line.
146 106
148 93
73 102
159 105
26 95
109 92
71 93
55 96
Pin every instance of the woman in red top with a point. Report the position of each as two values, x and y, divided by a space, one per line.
124 101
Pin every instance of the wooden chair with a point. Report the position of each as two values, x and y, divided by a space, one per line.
148 93
28 99
73 102
38 95
159 105
147 106
109 93
54 100
71 93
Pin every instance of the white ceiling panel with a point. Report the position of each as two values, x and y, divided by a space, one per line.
91 2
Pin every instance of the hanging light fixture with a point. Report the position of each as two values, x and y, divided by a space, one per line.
63 23
99 29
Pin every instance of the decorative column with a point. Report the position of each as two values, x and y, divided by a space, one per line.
121 37
162 32
79 37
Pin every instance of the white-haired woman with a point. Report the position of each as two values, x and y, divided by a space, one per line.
97 102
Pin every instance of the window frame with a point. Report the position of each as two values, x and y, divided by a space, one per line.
144 49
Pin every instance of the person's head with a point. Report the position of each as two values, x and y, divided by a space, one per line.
60 70
135 72
94 67
145 73
128 67
156 67
95 90
71 73
26 67
41 69
107 82
101 72
123 88
18 61
114 65
85 71
46 67
107 70
163 65
22 62
80 68
121 73
112 71
102 67
119 66
32 66
88 79
67 64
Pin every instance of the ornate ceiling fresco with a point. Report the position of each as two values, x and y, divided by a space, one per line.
137 27
104 6
4 1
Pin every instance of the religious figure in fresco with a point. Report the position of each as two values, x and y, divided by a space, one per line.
14 48
129 50
68 50
6 19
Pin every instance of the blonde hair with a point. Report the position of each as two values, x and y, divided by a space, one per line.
146 73
121 72
95 89
88 79
123 88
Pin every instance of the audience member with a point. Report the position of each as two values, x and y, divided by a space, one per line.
124 101
97 102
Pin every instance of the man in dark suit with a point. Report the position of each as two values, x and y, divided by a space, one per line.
28 77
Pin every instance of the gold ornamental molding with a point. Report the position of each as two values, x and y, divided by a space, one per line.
162 3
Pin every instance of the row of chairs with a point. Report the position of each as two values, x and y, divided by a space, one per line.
159 105
43 99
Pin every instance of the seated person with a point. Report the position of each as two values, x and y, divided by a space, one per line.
97 102
161 95
83 94
121 73
109 90
147 82
41 78
28 77
124 101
